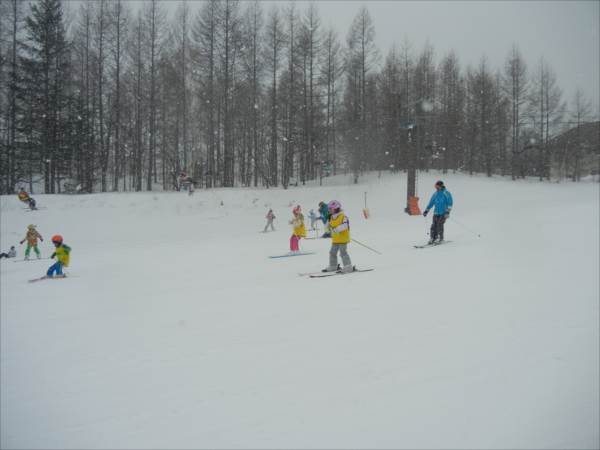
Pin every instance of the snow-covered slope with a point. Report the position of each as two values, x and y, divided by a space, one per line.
175 329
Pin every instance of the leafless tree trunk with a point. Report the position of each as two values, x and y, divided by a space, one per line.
546 111
516 87
275 39
333 71
581 109
362 56
204 33
291 107
118 22
139 141
100 40
155 20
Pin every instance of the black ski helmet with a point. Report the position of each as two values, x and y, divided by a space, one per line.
439 183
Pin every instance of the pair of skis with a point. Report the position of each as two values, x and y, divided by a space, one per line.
31 259
319 274
338 271
331 274
435 244
46 277
289 254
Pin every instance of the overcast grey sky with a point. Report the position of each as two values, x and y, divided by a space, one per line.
565 33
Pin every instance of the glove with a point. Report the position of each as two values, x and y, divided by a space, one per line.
425 213
52 255
21 243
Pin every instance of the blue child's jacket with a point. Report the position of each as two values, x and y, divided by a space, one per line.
324 212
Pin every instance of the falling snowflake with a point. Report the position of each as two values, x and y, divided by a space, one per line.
427 106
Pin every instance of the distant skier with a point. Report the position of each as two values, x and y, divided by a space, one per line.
324 216
26 198
62 253
270 217
11 253
299 230
442 200
339 226
313 218
31 237
186 182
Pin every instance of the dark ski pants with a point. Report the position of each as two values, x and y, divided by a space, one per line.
437 227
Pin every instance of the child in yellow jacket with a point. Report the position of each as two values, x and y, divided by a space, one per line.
62 253
31 237
340 237
299 230
26 198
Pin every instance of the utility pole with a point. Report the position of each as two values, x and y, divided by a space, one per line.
412 201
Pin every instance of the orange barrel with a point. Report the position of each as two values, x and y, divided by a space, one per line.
413 206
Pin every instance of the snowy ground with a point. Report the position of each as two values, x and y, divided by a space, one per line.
175 329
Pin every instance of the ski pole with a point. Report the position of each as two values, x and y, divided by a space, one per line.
465 227
365 246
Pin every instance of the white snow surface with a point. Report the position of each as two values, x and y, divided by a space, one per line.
175 329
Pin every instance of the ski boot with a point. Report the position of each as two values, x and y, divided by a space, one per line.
332 269
348 269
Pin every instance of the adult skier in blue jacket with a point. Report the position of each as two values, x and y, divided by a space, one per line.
442 201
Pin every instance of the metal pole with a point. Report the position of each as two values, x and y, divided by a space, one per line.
465 227
366 246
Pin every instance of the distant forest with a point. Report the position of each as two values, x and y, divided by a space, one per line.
117 98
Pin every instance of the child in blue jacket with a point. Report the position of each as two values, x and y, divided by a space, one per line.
324 216
442 201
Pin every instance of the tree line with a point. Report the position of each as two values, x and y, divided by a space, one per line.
234 94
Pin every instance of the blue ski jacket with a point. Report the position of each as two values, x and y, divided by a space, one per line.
442 200
324 211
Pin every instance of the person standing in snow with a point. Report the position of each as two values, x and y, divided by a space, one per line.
270 217
26 198
11 253
324 216
442 201
186 182
339 226
299 230
31 237
313 218
62 253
